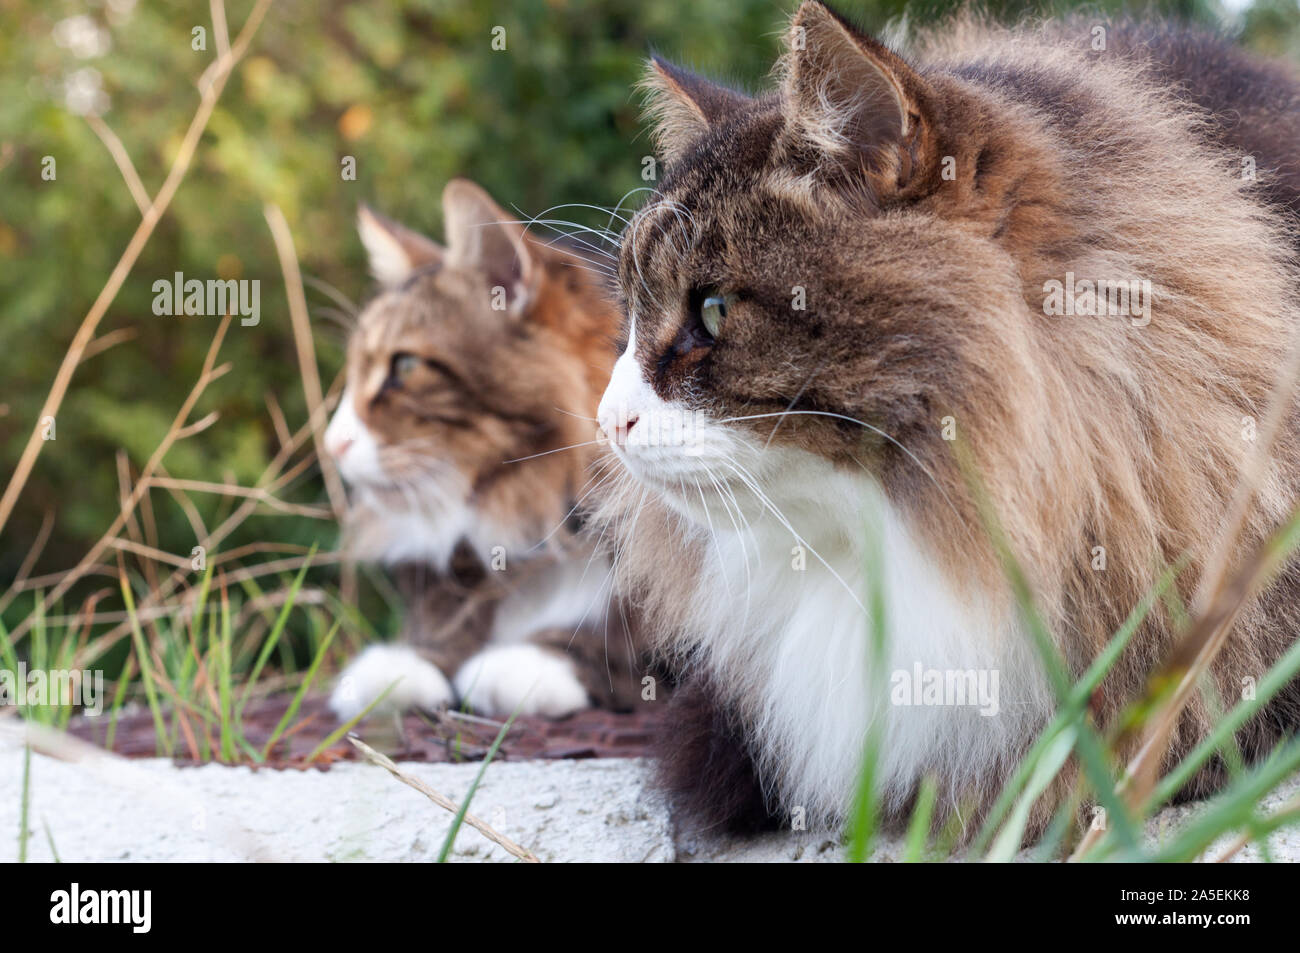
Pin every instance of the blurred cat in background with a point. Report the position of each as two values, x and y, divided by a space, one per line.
477 364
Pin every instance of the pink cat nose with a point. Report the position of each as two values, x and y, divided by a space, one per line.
617 428
338 446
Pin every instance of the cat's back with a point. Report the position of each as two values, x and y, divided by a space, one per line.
1082 72
1252 103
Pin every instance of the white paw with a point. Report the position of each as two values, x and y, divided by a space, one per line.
420 684
521 678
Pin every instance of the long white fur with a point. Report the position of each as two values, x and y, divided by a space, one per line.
790 648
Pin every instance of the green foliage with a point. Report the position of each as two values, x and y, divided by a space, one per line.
411 88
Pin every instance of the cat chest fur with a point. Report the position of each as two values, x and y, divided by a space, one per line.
782 623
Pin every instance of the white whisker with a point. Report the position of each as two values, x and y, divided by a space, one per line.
861 423
546 453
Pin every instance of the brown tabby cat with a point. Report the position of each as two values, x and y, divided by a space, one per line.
838 280
476 364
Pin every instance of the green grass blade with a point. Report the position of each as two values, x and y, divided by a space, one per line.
1047 848
866 809
142 660
301 693
273 637
1088 745
7 654
1079 697
201 599
1049 765
918 829
450 840
1235 808
348 725
1283 672
224 680
49 839
25 805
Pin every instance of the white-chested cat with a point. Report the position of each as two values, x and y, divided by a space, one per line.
1020 242
466 436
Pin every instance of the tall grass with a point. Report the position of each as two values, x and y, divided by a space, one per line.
1071 739
192 642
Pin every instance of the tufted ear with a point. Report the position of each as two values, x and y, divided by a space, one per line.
682 105
851 96
483 236
395 251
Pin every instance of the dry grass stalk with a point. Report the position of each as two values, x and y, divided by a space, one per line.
187 506
277 566
54 578
152 607
149 552
249 492
178 430
220 70
1220 597
1292 806
278 420
123 160
311 386
134 521
219 28
29 561
444 802
272 480
302 339
106 341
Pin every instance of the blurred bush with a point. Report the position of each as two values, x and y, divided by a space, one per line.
412 89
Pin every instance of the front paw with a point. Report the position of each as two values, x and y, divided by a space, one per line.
521 678
416 683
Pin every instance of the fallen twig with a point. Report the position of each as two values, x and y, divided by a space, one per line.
444 802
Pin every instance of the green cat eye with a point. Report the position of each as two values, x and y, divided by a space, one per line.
403 364
712 312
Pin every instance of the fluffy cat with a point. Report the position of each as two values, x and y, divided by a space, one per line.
476 364
835 279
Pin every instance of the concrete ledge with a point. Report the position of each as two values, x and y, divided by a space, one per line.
149 810
106 809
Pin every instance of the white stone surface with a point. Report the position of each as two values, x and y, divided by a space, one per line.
106 809
1284 844
149 810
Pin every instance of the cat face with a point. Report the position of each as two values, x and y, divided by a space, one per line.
807 279
473 360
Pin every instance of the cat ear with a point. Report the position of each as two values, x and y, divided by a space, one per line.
682 105
483 236
851 96
395 251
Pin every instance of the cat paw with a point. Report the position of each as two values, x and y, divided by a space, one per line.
524 678
419 683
